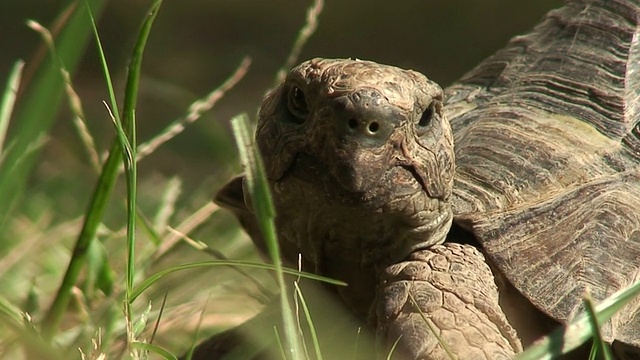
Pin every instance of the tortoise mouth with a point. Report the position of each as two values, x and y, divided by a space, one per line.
307 167
412 170
376 188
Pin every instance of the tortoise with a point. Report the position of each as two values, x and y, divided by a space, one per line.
523 175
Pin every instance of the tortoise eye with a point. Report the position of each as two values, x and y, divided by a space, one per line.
426 119
427 116
298 103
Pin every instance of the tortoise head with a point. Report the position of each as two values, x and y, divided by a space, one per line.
368 137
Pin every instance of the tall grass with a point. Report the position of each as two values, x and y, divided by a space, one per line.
39 102
44 338
106 288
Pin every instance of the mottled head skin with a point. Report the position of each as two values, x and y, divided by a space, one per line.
360 161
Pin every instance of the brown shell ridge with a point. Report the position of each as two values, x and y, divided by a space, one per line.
547 136
578 68
632 96
557 250
581 61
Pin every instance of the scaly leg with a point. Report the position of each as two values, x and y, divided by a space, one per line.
455 292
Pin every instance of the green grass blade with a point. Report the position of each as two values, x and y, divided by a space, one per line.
94 213
154 349
133 76
263 208
149 229
600 345
131 179
393 348
307 315
283 352
36 109
8 101
140 288
98 273
567 338
105 69
264 292
256 180
156 324
97 205
126 131
129 127
9 311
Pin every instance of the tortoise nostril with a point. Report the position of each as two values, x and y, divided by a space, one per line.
372 128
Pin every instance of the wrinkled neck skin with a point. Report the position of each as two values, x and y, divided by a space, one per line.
352 243
382 235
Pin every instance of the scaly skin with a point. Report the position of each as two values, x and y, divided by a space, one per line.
443 298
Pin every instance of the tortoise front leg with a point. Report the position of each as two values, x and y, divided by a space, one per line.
454 290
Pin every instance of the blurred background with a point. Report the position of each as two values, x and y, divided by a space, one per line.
194 46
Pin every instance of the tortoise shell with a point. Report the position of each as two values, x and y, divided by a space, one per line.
547 146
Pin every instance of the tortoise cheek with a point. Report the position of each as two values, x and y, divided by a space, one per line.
433 158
